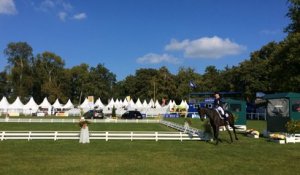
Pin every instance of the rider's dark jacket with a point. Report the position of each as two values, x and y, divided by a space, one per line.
217 102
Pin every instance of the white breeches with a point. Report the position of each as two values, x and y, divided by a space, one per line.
220 109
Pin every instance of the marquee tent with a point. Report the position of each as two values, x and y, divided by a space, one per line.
3 105
57 104
16 106
99 104
138 104
86 105
46 106
68 105
30 107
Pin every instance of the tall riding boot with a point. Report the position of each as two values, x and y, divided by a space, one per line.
225 118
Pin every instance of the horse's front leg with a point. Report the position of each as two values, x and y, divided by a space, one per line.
231 124
216 134
234 132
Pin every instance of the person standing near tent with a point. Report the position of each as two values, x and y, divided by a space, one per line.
84 131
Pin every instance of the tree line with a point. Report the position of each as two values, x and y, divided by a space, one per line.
273 68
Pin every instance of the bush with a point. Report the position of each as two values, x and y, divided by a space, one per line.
293 127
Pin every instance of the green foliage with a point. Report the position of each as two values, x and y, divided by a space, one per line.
294 15
293 126
113 112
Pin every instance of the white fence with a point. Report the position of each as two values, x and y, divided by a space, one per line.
98 135
44 120
185 132
292 138
257 116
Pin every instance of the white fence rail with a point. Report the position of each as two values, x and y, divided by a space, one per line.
98 135
44 120
185 132
292 138
257 116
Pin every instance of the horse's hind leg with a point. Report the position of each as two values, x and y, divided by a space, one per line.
233 127
235 133
226 126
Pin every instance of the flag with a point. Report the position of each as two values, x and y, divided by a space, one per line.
192 84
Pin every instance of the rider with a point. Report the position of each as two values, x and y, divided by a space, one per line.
218 105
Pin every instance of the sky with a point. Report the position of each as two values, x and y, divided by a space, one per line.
126 35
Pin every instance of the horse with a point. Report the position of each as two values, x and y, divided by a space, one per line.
216 122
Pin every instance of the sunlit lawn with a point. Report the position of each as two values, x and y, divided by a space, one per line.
246 156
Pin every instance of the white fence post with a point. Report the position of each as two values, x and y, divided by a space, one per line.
180 136
156 136
2 136
55 135
29 135
106 136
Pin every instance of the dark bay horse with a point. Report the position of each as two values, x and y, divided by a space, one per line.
216 122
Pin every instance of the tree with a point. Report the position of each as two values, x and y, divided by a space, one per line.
4 84
211 79
100 82
182 79
294 15
285 75
49 68
19 56
165 86
146 84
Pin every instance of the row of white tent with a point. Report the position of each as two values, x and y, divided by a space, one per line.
152 108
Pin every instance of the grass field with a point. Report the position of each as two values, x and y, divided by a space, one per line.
245 156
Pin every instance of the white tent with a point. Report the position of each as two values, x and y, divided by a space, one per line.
4 105
138 104
57 104
30 107
111 104
99 104
118 103
157 105
145 104
16 106
184 104
131 105
86 105
45 105
125 103
151 103
68 105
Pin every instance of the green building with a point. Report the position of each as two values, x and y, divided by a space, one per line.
282 107
238 109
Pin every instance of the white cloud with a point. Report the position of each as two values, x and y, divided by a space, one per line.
270 32
8 7
206 47
153 58
62 16
55 4
47 5
62 8
80 16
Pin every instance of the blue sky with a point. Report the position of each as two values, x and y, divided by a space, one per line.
126 35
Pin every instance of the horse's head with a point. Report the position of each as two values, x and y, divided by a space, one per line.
202 113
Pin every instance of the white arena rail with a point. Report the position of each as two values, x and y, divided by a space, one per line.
292 138
98 135
45 120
